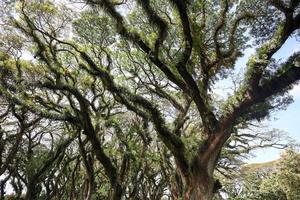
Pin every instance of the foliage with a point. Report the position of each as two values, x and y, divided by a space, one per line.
116 99
274 180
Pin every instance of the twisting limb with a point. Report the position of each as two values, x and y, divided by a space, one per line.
157 21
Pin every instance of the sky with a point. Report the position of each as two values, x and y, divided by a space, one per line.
286 120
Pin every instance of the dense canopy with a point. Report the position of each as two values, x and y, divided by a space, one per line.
109 99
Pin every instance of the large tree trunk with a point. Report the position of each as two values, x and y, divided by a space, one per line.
199 189
33 190
198 182
194 186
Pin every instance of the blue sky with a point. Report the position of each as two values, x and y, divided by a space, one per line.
287 120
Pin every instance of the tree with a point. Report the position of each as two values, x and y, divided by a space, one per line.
277 179
139 76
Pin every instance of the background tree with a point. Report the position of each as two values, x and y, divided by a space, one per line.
273 180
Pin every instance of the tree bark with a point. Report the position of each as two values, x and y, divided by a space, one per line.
199 189
194 188
33 190
199 183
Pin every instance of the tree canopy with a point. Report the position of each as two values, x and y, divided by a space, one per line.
277 179
116 99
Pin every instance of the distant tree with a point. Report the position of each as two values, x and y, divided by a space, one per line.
284 184
274 180
135 81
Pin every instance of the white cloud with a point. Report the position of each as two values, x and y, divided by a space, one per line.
296 50
296 91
